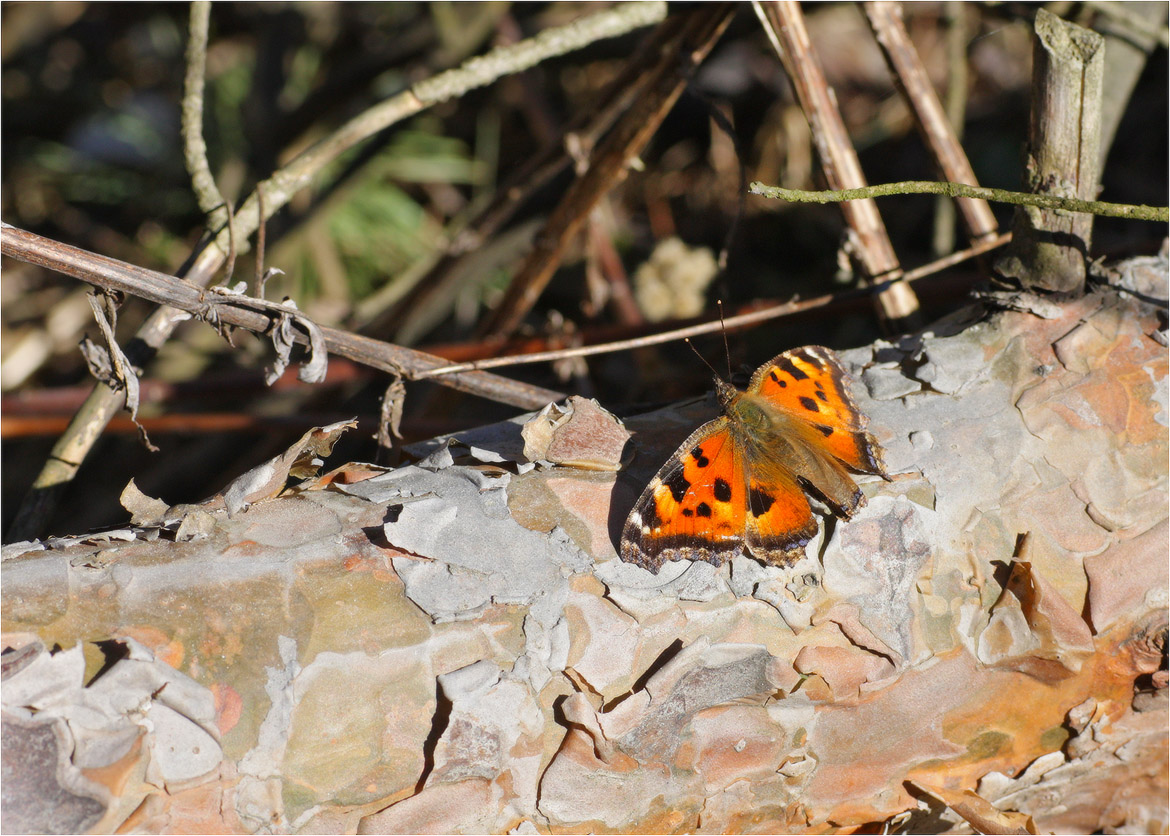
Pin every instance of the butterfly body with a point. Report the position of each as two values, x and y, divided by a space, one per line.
739 482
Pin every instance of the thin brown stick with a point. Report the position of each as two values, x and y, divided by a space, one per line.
784 24
957 257
732 323
230 310
955 104
886 19
258 273
608 165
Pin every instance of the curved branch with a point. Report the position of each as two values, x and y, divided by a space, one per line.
476 72
211 202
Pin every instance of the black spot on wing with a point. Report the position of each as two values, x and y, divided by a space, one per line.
809 404
678 485
781 383
722 491
811 356
821 393
825 431
700 459
790 367
703 510
650 518
759 501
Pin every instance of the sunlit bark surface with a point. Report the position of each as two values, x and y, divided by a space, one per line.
454 647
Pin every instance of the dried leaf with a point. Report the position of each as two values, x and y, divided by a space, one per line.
300 461
314 370
393 402
197 525
579 434
144 510
97 358
979 812
284 337
112 366
315 445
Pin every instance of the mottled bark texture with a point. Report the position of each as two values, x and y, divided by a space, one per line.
454 647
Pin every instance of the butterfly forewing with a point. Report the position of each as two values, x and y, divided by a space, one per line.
694 508
810 383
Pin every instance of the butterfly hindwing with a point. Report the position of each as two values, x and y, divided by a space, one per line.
694 508
811 383
779 519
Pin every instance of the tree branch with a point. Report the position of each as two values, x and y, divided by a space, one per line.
211 202
244 312
1093 207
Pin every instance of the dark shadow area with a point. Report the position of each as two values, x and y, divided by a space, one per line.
439 723
113 651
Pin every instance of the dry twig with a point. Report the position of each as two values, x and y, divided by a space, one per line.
784 24
886 19
1044 201
252 315
731 323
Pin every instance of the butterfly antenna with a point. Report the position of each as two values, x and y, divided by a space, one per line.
726 347
687 340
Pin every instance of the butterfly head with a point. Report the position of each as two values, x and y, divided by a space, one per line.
725 393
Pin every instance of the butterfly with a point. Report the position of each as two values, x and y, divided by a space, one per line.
741 480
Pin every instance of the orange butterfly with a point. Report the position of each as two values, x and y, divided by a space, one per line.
740 480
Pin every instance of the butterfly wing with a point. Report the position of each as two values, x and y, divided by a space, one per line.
779 519
735 483
694 508
812 384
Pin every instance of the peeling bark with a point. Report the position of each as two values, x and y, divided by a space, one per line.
454 646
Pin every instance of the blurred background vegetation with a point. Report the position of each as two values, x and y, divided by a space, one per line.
92 157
